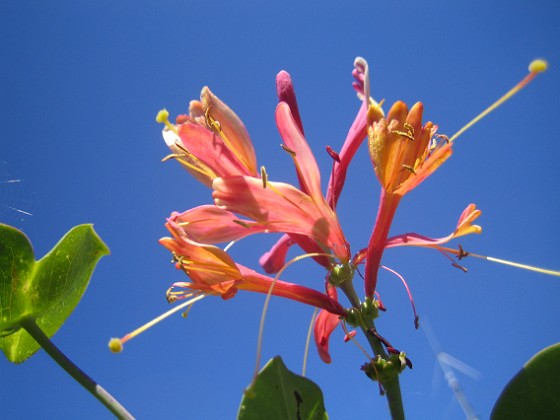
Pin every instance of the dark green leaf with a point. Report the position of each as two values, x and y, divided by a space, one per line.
533 392
279 394
47 290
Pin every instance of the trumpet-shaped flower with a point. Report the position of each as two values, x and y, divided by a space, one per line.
404 153
213 271
211 141
464 227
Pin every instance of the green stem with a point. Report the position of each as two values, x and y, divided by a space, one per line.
97 390
392 386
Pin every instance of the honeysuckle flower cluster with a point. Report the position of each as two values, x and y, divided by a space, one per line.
212 143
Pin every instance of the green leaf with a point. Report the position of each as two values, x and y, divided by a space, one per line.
279 394
47 290
533 392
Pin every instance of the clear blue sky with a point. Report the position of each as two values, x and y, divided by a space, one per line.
81 83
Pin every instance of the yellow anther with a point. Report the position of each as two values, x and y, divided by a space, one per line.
409 168
115 345
409 134
538 66
264 176
241 223
211 122
163 118
287 149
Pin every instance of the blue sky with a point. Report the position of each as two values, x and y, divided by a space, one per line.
81 83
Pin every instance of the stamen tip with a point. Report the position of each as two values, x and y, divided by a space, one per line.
115 345
538 66
162 116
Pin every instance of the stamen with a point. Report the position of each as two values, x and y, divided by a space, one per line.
241 223
228 246
116 344
163 117
409 133
416 318
180 158
249 389
288 150
518 265
211 122
264 177
536 67
215 125
409 168
351 338
462 253
308 340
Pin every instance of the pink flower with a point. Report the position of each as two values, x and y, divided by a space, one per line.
211 141
212 271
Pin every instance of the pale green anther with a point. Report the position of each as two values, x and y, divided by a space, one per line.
162 116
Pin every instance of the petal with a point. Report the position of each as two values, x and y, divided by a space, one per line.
435 160
205 264
354 139
306 166
325 324
260 283
282 208
210 225
238 139
193 165
211 150
286 93
273 260
464 227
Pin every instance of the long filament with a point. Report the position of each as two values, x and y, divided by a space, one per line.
265 309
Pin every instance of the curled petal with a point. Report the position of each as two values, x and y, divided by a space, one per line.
325 324
273 260
464 227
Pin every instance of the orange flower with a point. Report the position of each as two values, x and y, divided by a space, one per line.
404 152
214 272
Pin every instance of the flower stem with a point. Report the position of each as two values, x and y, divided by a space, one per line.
97 390
392 386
